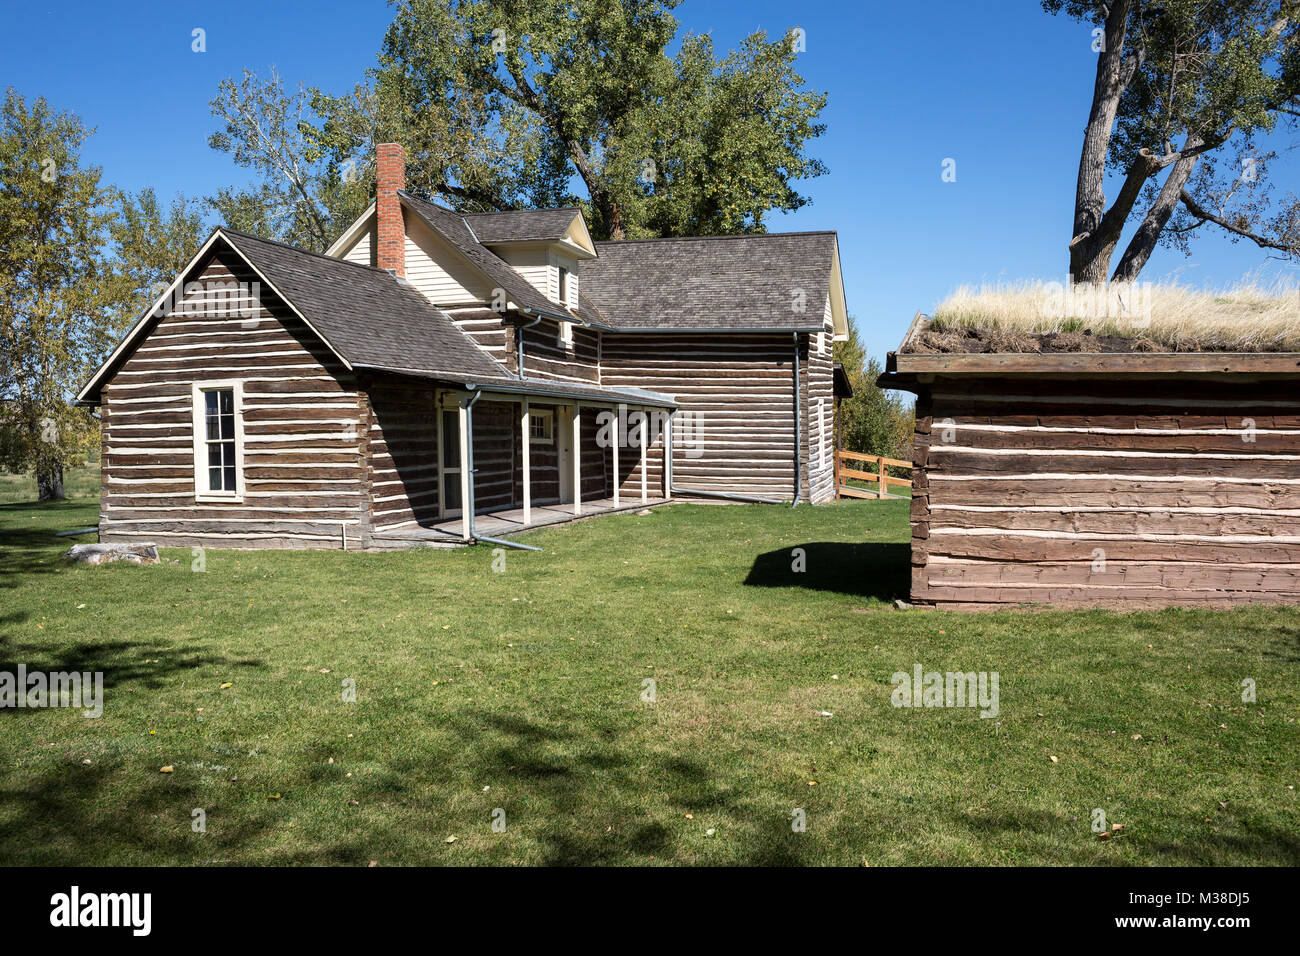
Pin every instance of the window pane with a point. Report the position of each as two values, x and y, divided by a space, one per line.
227 401
210 403
227 426
214 479
214 455
452 491
230 478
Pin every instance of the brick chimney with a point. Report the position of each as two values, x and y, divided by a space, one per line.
391 240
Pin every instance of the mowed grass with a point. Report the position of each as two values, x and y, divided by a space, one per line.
520 691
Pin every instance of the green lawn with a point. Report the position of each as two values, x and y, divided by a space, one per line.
521 690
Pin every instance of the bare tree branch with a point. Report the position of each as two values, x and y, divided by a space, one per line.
1204 215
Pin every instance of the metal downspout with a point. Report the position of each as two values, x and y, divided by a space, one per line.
469 464
519 342
798 428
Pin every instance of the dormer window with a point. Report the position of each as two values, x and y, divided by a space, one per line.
564 285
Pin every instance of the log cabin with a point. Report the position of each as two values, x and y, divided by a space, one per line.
1100 475
437 378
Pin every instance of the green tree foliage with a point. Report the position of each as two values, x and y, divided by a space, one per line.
873 421
79 262
1184 91
151 244
506 104
300 196
56 293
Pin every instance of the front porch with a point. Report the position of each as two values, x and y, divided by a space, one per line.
510 521
514 461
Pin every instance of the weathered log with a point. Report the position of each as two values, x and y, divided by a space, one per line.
144 553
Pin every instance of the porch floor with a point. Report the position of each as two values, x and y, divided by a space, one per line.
495 524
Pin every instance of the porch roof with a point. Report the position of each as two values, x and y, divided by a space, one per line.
536 388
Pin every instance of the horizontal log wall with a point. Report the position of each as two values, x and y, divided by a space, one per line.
819 414
1139 492
403 442
546 358
736 388
303 471
488 331
496 449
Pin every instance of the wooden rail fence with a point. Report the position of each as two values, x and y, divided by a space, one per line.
844 470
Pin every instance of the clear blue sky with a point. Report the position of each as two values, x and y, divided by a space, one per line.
1001 87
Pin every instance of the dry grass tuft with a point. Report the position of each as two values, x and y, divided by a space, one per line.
1159 316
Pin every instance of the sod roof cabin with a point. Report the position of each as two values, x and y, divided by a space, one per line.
1067 464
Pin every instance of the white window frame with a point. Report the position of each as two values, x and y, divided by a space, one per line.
546 418
565 337
202 490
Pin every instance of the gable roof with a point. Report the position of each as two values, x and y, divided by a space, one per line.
726 283
365 316
451 226
522 225
368 318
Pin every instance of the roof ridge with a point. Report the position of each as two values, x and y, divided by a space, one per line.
735 235
498 212
305 252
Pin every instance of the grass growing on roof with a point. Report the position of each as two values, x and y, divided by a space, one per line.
1248 317
522 691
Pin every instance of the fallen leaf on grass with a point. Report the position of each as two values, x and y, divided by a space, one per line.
227 684
167 769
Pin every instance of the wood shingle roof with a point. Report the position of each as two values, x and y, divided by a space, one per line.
776 281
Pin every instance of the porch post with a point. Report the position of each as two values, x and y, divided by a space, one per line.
645 437
465 476
615 442
524 430
577 460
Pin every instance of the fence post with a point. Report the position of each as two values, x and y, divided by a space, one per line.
881 463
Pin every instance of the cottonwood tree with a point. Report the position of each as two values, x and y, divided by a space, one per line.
1184 90
507 104
55 289
151 244
300 196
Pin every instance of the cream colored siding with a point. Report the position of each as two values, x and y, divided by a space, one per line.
433 268
540 266
363 251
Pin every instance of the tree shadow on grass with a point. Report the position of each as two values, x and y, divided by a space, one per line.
29 549
120 662
859 569
593 786
1282 643
62 815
